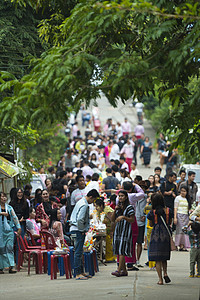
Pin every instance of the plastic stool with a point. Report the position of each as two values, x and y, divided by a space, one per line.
95 261
65 259
88 262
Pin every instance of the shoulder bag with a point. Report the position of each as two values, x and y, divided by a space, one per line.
172 244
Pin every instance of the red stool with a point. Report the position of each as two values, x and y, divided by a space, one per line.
54 265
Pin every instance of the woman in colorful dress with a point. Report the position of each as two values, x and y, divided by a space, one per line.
182 205
8 219
123 216
107 211
159 248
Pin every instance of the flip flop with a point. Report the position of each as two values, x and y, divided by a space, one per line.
159 283
82 278
167 279
88 276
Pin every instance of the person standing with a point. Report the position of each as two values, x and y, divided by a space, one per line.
146 150
135 193
135 141
80 192
192 186
159 248
21 209
123 216
75 130
128 151
110 182
140 217
182 205
139 108
126 127
79 225
194 236
138 131
169 191
115 152
182 179
8 219
134 171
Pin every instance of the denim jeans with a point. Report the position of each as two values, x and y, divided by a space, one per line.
78 238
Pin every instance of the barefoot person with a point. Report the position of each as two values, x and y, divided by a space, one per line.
80 224
123 216
159 248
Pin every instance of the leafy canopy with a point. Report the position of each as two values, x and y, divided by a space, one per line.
122 48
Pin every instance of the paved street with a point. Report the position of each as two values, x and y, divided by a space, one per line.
118 114
139 285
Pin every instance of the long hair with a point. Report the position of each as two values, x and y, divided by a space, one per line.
125 204
158 205
187 196
16 199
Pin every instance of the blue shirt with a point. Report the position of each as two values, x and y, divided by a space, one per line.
80 220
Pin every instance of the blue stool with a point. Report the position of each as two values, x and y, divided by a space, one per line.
88 262
60 263
95 261
71 254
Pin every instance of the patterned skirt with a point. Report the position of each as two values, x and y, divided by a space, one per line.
181 238
159 247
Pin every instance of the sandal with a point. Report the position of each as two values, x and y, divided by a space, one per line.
124 273
82 278
12 271
160 283
167 279
116 273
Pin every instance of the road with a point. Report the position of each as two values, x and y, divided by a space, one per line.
118 114
140 285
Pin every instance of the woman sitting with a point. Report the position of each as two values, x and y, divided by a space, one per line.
32 226
57 230
107 210
44 211
123 216
8 219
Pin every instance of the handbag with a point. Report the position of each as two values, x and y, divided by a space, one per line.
172 244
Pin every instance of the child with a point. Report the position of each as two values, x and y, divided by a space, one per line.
147 209
194 237
113 201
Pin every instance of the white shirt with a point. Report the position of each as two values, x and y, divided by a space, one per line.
87 171
134 173
128 149
114 153
126 127
139 129
125 166
92 185
139 107
119 131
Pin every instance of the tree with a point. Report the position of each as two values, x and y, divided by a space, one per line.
123 48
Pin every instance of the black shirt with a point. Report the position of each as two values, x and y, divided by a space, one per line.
21 210
168 199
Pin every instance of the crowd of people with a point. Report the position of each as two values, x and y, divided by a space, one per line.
138 210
